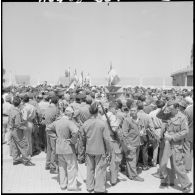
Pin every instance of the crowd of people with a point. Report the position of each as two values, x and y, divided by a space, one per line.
140 129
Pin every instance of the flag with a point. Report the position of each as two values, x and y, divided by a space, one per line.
88 79
113 78
75 76
72 85
66 73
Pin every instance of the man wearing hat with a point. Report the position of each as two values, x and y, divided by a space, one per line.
177 129
65 132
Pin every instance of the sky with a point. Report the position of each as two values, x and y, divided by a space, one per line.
140 39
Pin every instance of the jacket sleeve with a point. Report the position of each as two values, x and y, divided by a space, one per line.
74 133
125 128
150 124
51 130
184 130
83 135
106 138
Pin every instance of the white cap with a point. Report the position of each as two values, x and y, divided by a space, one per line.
189 100
69 110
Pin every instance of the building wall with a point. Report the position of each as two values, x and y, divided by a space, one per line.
190 80
179 80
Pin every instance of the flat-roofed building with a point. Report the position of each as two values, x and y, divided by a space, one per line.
183 77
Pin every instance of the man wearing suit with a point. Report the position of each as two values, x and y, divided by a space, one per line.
65 132
95 137
132 136
144 122
50 115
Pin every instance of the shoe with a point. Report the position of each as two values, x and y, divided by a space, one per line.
137 178
90 191
53 171
172 184
47 168
186 189
157 175
163 185
17 162
29 163
145 168
154 165
99 192
63 188
188 171
75 189
113 184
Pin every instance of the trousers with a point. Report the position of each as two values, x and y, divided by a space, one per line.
68 171
96 172
131 160
19 146
176 155
188 154
114 166
28 135
51 157
144 148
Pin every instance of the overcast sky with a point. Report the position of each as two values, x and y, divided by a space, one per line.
141 39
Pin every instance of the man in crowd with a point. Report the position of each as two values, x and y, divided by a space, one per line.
96 140
43 106
65 132
177 129
50 115
188 143
6 110
29 113
145 123
158 129
19 142
131 134
81 114
115 153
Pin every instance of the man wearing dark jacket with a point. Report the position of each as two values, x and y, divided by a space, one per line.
132 138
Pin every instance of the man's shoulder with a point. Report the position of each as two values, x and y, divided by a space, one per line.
181 116
189 108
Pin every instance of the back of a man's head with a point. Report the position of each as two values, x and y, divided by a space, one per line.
119 104
26 98
160 104
93 109
16 101
129 102
142 98
54 99
140 105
